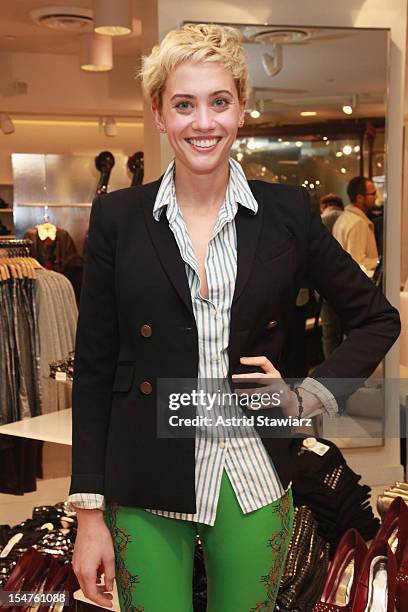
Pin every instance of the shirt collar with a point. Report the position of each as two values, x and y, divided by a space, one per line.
357 211
238 192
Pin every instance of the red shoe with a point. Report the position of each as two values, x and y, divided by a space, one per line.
394 529
377 581
28 575
63 579
341 582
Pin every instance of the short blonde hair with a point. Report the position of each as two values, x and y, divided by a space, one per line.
204 42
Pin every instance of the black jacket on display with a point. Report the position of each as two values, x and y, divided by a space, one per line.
136 325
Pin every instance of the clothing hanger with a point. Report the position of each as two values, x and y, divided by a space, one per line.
46 229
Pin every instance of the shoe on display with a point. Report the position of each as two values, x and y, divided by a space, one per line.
341 582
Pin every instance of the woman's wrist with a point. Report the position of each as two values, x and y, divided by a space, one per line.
84 514
311 404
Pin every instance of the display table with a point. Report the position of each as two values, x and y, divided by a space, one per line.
80 598
52 427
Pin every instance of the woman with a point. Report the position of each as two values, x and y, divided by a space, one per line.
193 275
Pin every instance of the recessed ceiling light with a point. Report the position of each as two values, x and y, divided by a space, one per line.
347 109
255 114
347 149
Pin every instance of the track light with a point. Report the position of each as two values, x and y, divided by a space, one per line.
350 107
112 17
110 127
6 124
96 53
272 62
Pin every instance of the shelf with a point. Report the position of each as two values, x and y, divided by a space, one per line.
6 211
56 204
79 596
51 427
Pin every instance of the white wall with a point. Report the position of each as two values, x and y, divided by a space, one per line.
390 14
56 84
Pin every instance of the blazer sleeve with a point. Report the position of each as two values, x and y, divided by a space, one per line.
96 351
371 324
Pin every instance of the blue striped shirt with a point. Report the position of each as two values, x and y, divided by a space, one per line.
250 470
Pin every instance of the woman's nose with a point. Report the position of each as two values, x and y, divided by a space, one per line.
203 120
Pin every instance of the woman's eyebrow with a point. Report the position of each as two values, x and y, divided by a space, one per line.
192 97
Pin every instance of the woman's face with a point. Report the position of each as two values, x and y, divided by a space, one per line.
201 114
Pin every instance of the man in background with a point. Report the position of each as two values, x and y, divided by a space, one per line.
353 229
331 207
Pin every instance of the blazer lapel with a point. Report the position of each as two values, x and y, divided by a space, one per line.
248 227
166 247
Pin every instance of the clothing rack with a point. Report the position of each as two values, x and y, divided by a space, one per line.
15 247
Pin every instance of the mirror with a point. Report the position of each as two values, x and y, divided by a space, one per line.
316 117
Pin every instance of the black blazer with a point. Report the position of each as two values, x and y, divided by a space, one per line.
134 277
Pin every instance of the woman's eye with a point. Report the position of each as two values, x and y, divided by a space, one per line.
183 105
221 102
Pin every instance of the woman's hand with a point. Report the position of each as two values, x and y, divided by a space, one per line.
94 554
271 383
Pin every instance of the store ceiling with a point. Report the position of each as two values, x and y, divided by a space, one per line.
321 73
32 38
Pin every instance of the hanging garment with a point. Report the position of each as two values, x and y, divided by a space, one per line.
52 254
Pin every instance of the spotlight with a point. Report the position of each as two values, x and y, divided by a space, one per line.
339 154
343 170
96 53
347 150
6 124
255 114
272 62
110 127
112 17
299 143
356 149
347 109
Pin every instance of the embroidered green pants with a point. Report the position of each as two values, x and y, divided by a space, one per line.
244 556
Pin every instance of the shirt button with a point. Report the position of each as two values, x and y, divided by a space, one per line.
145 387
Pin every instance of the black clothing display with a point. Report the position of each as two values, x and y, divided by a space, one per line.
330 488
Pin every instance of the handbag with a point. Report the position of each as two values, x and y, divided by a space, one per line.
306 566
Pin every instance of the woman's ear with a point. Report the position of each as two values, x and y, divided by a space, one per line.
158 118
242 109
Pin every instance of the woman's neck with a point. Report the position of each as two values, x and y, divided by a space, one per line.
203 193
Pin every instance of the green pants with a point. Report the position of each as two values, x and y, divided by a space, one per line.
244 556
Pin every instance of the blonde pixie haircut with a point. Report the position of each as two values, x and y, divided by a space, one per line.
204 42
